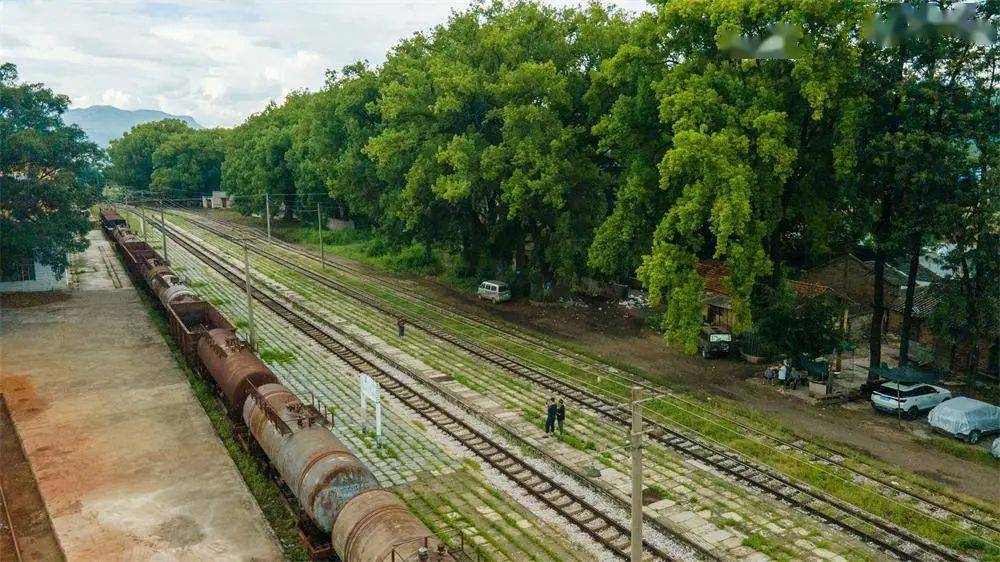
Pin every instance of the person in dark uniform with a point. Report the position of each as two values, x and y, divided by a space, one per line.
401 326
550 417
561 415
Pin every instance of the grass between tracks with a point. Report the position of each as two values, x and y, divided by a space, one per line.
264 490
708 424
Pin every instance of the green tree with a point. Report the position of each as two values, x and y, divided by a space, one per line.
189 164
631 137
751 159
926 100
794 325
49 175
485 127
132 155
258 160
328 146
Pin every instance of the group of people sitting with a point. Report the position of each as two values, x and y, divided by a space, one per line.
783 375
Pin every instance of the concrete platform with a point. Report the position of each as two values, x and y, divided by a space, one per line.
125 458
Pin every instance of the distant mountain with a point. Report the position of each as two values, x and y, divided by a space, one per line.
104 122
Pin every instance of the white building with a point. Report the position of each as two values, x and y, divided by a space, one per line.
218 200
28 276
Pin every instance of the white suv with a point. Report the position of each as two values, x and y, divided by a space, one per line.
912 398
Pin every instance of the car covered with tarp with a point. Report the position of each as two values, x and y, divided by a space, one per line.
965 418
996 447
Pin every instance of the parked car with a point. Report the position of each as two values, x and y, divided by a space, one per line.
965 418
907 399
714 341
496 291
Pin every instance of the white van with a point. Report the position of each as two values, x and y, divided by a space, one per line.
496 291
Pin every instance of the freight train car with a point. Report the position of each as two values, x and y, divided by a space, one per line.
110 220
337 494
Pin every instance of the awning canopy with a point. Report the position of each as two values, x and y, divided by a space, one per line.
908 374
820 369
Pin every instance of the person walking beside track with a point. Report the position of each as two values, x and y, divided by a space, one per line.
561 415
550 417
401 326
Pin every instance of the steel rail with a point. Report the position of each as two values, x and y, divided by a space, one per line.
604 529
438 333
888 536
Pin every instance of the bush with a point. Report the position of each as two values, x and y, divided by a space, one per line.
789 325
410 259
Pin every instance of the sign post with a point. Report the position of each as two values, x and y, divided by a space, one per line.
371 391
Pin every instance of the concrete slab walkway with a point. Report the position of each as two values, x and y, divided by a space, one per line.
125 458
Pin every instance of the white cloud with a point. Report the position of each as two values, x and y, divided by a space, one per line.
216 61
116 98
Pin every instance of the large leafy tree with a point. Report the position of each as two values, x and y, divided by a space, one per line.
485 127
970 299
630 135
928 101
750 160
132 155
258 160
188 164
49 174
328 146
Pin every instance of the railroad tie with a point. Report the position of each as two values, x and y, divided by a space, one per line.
623 544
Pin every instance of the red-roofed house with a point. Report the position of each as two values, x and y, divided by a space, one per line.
718 309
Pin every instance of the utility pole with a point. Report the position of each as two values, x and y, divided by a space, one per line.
163 229
636 474
267 213
142 210
246 274
319 230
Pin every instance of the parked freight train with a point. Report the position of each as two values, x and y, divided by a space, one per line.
334 489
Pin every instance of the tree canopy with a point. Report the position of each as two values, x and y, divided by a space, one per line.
550 146
132 155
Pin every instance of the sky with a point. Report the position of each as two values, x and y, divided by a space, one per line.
217 61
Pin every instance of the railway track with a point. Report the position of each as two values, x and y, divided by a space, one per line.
815 451
867 527
604 529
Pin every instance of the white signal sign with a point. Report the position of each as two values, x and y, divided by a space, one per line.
371 391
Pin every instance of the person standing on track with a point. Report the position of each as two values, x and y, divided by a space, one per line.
401 326
561 415
550 417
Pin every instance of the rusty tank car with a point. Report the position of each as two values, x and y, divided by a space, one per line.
171 290
233 365
319 470
377 525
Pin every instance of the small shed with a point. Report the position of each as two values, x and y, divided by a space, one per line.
218 200
22 275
